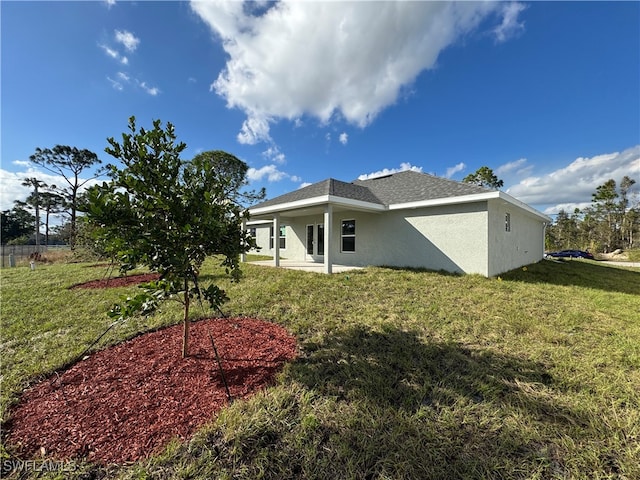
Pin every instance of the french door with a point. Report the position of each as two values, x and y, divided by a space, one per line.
315 240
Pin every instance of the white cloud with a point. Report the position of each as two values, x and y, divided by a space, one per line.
389 171
270 172
451 171
344 138
110 3
567 207
124 76
115 54
150 90
115 84
304 184
510 26
511 167
12 188
352 59
273 153
127 39
575 183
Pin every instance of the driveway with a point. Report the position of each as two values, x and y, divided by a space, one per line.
622 264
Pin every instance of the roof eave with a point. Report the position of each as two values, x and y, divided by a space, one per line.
316 201
477 197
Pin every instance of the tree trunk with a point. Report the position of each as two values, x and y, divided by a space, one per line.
185 336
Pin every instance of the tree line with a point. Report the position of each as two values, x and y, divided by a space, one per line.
611 222
25 219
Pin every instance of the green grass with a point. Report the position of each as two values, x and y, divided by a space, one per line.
402 374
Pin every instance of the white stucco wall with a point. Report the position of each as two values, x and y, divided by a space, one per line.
465 238
523 245
438 238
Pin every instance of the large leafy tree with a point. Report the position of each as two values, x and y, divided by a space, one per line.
170 214
69 163
17 222
484 177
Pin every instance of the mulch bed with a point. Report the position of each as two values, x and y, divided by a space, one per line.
126 402
119 281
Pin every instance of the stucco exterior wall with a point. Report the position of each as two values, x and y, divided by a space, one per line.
438 238
522 245
464 238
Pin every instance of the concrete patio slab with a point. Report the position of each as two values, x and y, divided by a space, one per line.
306 266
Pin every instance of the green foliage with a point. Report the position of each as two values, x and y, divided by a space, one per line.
484 177
401 375
16 223
169 214
69 163
612 221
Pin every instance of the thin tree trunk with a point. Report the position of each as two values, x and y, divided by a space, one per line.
185 336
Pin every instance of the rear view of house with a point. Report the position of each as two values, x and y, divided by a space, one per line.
407 219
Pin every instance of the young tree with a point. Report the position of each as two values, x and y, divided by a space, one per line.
170 214
484 177
69 163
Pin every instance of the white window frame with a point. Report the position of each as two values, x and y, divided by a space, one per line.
282 238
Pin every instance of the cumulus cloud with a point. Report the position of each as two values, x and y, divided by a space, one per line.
12 188
513 167
127 39
304 184
389 171
270 172
328 60
344 138
273 153
574 184
451 171
110 3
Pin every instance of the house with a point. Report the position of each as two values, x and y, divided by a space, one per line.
407 219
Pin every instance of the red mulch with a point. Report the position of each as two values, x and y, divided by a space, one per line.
125 402
119 281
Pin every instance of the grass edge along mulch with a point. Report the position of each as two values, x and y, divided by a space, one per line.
128 401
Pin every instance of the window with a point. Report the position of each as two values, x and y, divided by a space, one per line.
282 239
348 235
507 222
252 232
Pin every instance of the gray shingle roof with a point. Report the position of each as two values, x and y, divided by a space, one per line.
402 187
410 186
330 186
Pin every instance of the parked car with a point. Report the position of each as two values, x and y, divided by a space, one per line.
571 254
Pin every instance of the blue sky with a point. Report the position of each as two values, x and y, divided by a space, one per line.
547 94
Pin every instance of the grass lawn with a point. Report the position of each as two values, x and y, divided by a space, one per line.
402 374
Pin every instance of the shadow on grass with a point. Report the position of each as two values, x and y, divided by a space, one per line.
457 403
578 273
395 368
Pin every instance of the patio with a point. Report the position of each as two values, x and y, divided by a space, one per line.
305 266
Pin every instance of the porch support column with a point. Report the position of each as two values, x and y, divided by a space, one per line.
276 240
243 255
328 233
